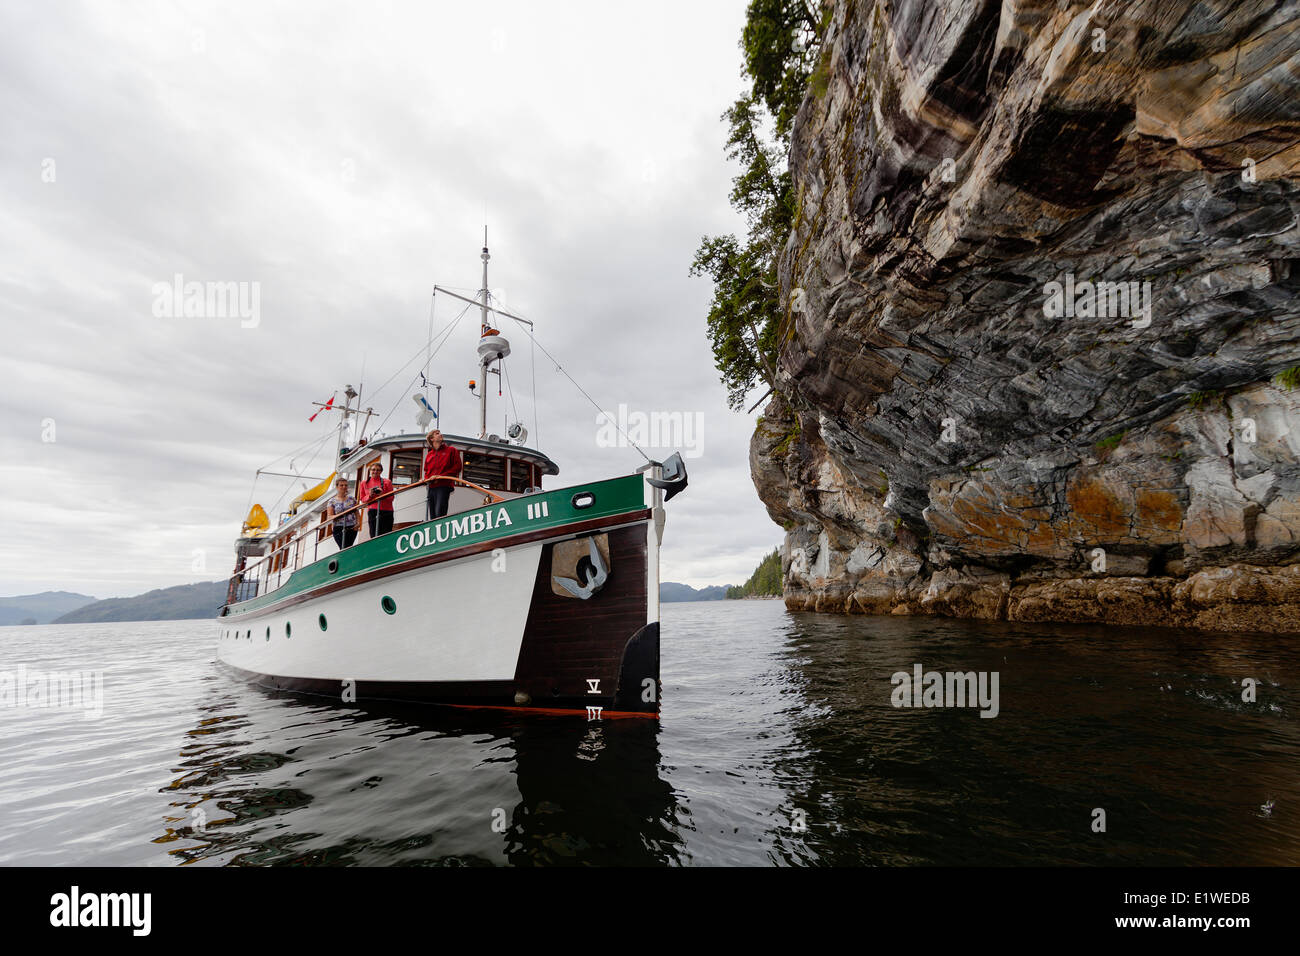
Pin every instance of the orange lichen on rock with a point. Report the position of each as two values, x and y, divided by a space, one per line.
1097 515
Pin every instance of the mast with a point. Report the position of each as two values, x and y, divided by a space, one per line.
483 331
348 394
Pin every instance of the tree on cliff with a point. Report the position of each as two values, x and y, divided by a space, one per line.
780 43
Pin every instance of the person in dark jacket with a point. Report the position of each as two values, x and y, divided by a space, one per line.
440 459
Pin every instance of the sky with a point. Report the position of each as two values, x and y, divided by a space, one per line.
335 161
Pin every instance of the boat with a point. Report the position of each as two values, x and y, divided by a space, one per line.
521 597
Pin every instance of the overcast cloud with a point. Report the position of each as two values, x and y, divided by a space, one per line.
345 157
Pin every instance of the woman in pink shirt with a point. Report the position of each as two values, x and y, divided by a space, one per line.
380 512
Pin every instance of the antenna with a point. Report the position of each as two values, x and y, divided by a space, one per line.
486 256
484 359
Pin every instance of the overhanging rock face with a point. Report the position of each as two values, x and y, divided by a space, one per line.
1043 303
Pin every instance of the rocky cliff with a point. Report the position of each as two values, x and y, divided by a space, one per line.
1042 321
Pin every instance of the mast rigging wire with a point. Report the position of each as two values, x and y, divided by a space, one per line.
447 334
318 442
559 368
446 329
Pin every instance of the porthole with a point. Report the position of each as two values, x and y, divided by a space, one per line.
389 605
584 499
268 632
322 621
333 565
288 631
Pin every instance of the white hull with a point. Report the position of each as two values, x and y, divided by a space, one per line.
482 629
460 621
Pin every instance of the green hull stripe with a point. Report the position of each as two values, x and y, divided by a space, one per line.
551 509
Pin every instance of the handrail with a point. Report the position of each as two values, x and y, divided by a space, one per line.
415 484
326 518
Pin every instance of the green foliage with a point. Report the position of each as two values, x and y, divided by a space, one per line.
783 446
1197 399
765 581
820 81
1289 378
780 45
743 316
1111 443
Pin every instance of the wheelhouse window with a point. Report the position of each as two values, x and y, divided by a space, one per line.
406 467
520 476
485 470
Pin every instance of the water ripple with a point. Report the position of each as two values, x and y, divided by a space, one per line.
778 745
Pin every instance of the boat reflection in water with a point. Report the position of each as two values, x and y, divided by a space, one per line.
290 781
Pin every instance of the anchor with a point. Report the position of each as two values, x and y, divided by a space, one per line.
674 476
593 570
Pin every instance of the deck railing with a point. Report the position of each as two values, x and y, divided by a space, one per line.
245 583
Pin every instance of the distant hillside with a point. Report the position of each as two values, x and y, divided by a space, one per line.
182 602
40 608
204 600
672 591
764 582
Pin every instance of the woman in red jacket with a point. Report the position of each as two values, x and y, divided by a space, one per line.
440 459
380 513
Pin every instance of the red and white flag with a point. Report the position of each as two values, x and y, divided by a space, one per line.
321 409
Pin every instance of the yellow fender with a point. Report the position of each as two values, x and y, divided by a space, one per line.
311 494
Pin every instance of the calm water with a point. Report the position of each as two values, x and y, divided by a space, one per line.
778 745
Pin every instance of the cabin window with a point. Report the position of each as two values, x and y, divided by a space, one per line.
406 467
520 476
485 470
